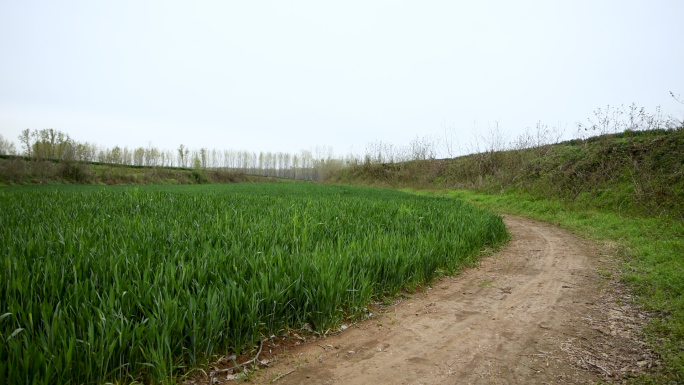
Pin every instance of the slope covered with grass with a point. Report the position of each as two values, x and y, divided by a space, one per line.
634 172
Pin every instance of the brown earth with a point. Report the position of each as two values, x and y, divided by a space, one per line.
535 312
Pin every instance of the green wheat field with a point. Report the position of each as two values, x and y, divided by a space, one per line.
122 284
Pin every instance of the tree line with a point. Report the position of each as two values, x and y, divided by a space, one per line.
314 164
54 145
317 163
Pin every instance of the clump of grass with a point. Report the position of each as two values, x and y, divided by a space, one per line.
124 284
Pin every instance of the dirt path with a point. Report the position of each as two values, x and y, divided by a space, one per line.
534 312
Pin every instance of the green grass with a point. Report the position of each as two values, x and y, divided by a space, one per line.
651 252
637 173
143 283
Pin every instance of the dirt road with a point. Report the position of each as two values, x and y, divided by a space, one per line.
534 312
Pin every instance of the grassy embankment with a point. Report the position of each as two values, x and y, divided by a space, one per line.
16 170
624 189
119 284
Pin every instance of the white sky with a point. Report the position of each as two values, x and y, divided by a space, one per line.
288 75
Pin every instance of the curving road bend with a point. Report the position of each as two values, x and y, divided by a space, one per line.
524 316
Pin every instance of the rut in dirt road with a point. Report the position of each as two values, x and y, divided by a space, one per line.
520 317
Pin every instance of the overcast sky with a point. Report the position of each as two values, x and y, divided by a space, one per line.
290 75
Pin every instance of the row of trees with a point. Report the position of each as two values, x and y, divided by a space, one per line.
50 144
316 163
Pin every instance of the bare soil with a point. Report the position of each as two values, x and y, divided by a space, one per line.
535 312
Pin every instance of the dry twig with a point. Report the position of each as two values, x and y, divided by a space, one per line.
282 375
596 366
255 359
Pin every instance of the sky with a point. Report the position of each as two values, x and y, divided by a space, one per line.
292 75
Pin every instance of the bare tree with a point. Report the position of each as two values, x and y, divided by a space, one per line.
450 144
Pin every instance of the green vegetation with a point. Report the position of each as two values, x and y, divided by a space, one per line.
52 156
624 188
634 172
19 171
142 283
